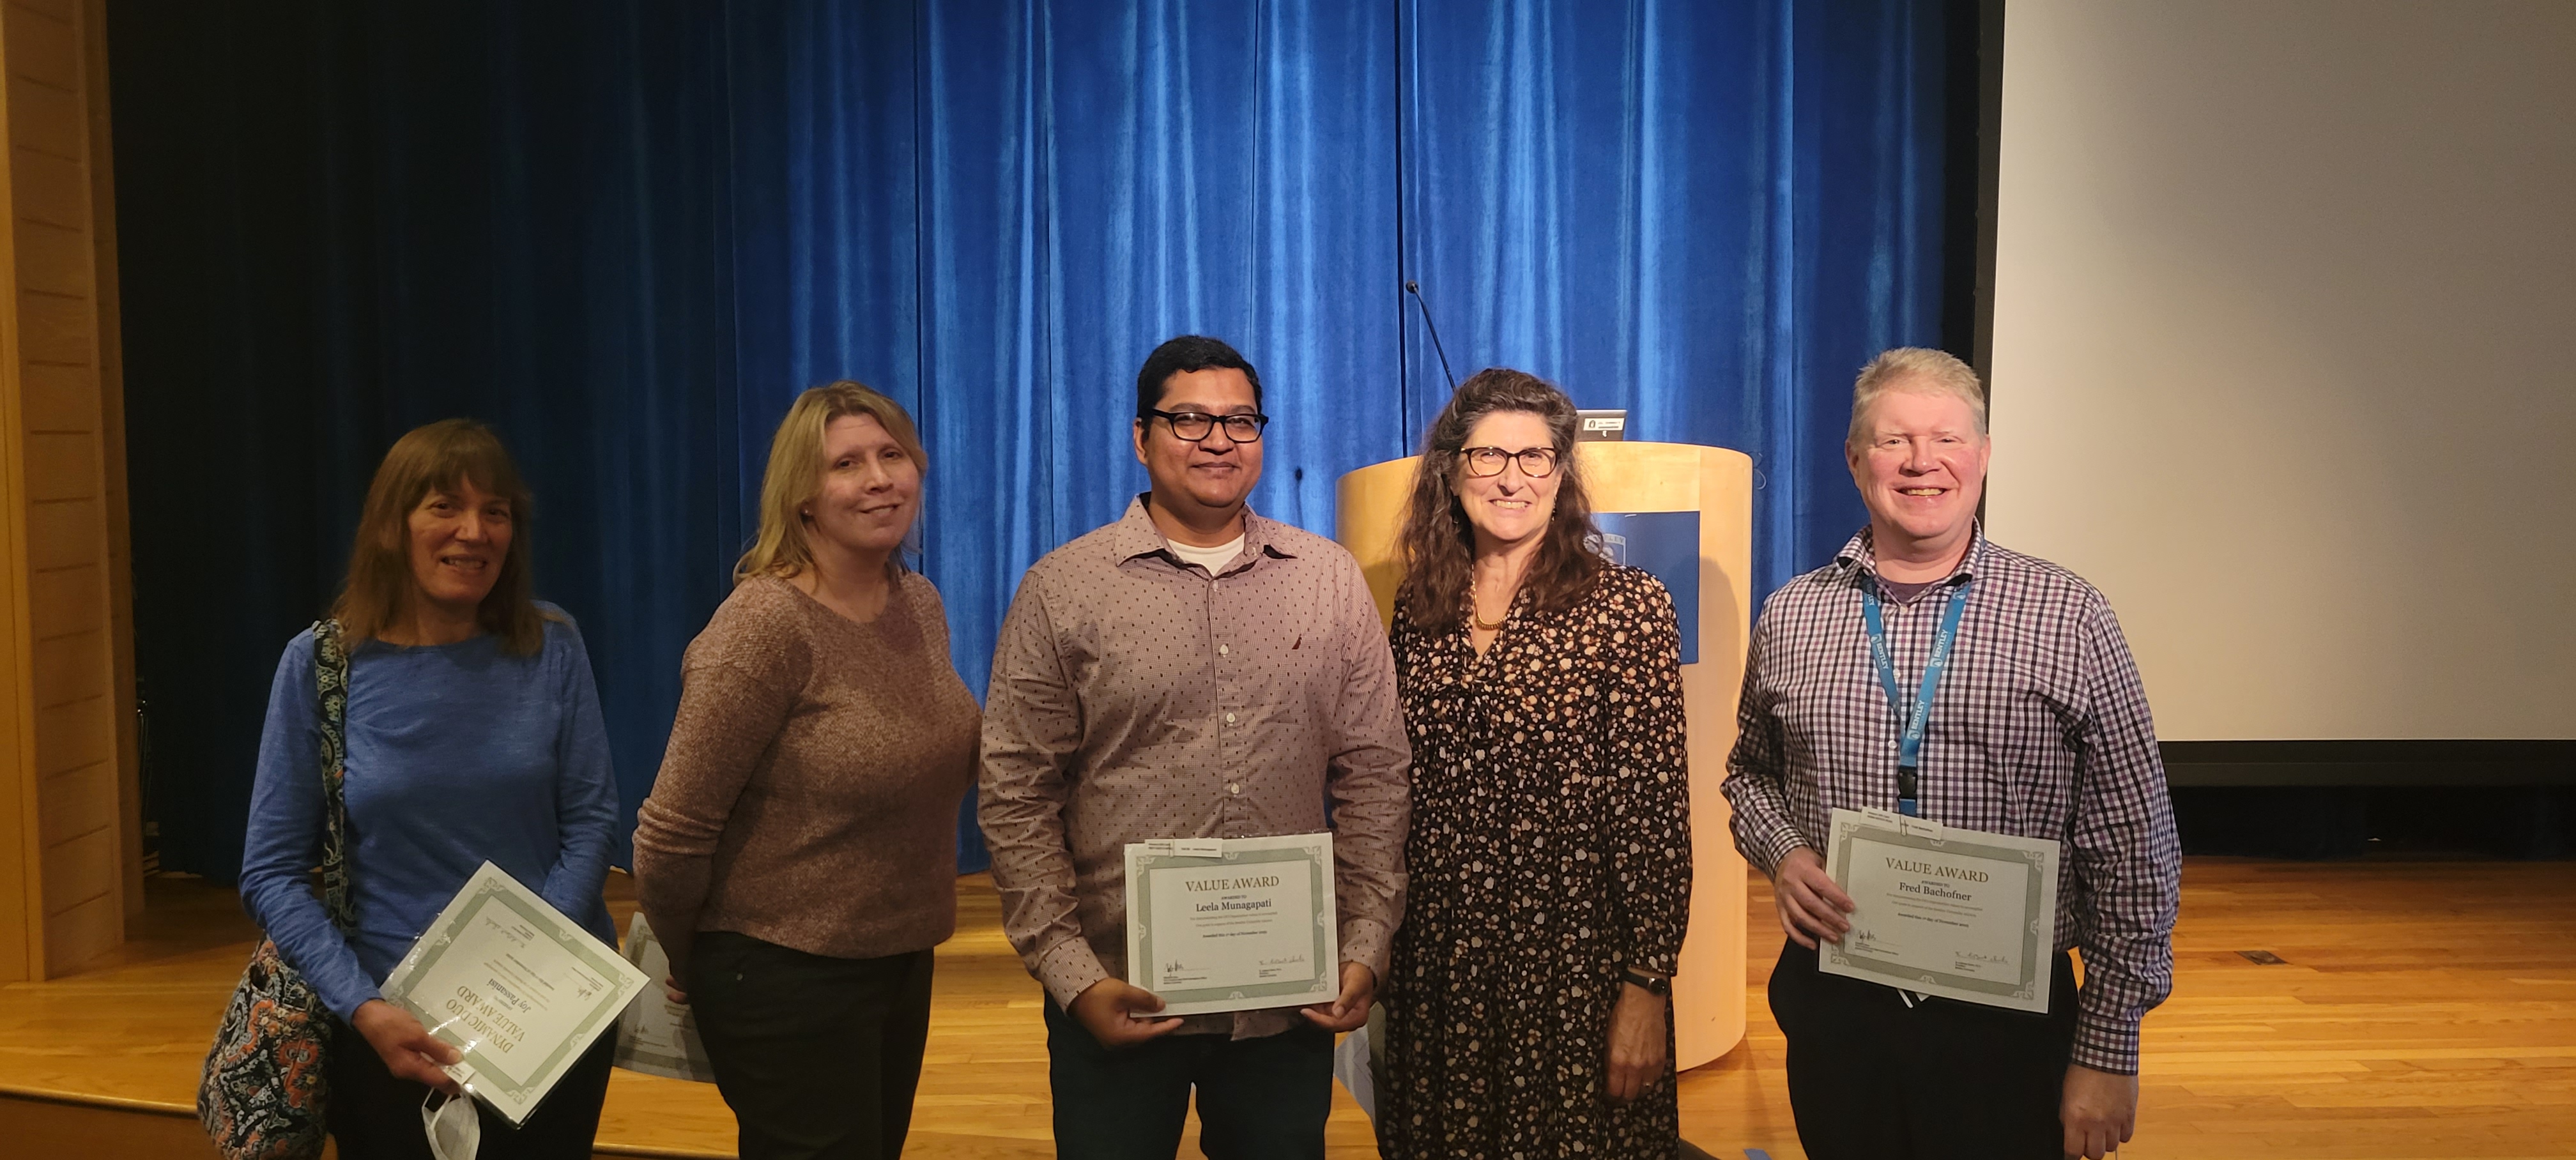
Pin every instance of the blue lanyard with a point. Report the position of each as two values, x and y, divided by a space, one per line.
1909 739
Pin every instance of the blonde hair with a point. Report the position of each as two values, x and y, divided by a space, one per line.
442 456
1914 369
795 471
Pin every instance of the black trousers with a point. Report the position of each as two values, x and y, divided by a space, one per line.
1871 1077
817 1056
1259 1099
375 1116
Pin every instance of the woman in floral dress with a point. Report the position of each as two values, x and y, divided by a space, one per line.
1550 851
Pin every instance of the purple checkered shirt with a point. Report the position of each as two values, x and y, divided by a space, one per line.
2039 729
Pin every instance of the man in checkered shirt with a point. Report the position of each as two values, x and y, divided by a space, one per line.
2039 728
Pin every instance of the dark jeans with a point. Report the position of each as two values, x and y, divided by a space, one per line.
377 1117
817 1056
1871 1077
1259 1099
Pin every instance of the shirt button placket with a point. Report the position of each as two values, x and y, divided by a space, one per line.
1229 745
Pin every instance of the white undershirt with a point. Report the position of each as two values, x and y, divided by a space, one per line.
1211 559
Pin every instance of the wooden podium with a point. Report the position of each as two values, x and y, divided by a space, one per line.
1649 497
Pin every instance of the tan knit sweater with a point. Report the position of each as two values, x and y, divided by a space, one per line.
809 795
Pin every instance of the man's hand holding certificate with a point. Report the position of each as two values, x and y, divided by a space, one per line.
1233 924
1937 910
522 990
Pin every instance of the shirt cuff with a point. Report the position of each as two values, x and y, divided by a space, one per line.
345 1003
1364 942
1068 969
2106 1043
1767 841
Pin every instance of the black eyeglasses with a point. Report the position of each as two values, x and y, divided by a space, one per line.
1195 425
1536 462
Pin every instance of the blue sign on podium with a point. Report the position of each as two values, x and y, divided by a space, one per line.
1665 544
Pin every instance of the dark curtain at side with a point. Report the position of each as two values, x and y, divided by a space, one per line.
629 235
1709 214
340 221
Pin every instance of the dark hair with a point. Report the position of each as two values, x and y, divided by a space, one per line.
1437 545
439 457
1189 352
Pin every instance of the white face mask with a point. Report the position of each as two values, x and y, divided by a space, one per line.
455 1129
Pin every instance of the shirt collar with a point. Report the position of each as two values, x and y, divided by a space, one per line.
1858 557
1135 535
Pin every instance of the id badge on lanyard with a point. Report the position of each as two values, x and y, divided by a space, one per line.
1910 719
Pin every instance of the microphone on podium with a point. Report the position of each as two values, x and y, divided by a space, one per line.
1415 288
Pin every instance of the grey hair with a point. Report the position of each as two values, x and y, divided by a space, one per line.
1915 369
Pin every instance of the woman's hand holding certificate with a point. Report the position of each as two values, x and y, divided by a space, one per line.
515 986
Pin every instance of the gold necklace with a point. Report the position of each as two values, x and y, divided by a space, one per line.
1480 624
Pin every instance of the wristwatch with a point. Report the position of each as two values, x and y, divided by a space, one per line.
1661 988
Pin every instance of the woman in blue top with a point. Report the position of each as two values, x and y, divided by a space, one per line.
473 735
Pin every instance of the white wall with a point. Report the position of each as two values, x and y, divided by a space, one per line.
2285 353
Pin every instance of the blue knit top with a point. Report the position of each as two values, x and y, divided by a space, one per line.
457 754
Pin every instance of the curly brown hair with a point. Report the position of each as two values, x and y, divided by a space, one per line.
1437 545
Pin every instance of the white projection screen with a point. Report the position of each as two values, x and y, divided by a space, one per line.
2284 353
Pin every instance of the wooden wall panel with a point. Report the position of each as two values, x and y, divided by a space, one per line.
21 912
65 12
78 800
76 936
46 52
58 329
76 590
61 465
68 668
59 534
124 724
42 118
21 915
79 868
72 841
59 398
48 189
72 735
54 260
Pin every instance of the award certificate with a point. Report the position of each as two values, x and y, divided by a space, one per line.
516 986
1961 914
657 1036
1233 924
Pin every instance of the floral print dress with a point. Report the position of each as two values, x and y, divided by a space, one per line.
1550 847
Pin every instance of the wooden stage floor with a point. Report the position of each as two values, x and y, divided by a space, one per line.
2423 1009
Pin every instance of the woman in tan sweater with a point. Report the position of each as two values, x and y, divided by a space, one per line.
798 854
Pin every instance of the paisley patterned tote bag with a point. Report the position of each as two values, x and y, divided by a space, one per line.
262 1094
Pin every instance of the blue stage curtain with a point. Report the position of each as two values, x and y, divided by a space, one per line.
628 234
994 210
1711 214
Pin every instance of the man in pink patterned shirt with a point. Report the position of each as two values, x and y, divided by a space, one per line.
1193 670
